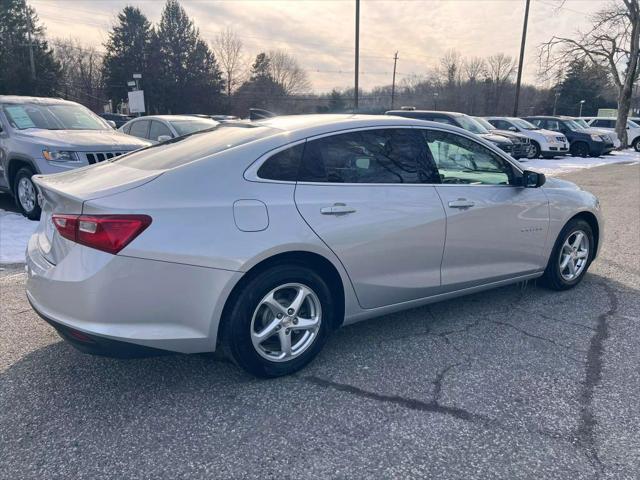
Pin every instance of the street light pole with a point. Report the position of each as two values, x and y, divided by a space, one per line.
581 104
435 100
521 61
357 59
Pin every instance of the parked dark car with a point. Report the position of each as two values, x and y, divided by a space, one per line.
458 120
583 141
521 143
116 118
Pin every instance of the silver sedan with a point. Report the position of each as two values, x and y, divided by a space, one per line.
264 237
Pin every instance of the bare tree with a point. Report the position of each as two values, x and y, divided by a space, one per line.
612 42
474 68
286 72
81 73
228 49
451 66
500 69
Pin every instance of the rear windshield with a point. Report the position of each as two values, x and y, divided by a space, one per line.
185 127
186 149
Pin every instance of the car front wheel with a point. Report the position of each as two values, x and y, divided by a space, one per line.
279 321
636 144
26 194
571 256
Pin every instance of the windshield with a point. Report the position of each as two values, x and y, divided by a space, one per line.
573 125
484 123
524 124
631 124
582 123
53 117
185 127
470 124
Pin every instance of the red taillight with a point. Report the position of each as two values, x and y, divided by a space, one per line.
109 233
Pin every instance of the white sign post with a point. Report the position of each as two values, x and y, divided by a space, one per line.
136 101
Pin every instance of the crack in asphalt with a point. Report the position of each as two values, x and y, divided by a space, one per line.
593 376
554 319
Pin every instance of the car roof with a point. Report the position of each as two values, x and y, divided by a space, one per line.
169 117
302 126
430 112
19 99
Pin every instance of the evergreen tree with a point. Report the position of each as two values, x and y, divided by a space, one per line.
336 101
16 21
583 81
261 90
190 77
128 49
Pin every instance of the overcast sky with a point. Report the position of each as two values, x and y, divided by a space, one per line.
320 34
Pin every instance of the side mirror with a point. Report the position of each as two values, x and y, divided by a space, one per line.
532 179
164 138
513 129
112 124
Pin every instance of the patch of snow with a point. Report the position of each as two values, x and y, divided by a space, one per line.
15 231
559 165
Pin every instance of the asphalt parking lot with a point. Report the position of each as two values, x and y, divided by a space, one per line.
518 382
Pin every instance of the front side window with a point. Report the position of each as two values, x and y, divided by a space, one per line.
553 125
159 129
140 129
462 161
370 156
604 123
283 166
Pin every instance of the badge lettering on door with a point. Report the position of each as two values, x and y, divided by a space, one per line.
531 229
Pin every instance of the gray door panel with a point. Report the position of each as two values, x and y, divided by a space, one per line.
501 235
390 238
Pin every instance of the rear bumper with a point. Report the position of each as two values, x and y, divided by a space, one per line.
113 298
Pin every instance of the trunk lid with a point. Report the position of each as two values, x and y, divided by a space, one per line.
65 193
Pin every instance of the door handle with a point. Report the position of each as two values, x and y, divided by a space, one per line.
337 209
461 203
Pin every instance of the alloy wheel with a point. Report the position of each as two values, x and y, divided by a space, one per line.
26 194
286 322
574 255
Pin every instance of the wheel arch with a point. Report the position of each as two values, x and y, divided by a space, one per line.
320 264
592 220
14 164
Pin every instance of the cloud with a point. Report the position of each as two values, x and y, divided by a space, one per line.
320 34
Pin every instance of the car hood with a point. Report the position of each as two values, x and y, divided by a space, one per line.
558 183
494 138
508 134
83 140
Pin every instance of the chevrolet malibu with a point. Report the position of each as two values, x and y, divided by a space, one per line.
264 237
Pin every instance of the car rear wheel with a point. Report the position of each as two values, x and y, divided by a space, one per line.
571 256
279 321
636 144
26 194
579 149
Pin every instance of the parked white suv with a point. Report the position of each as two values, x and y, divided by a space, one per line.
543 142
609 124
51 135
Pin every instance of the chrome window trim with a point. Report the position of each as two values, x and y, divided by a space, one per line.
251 172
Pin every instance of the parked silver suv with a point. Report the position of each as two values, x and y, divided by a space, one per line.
51 135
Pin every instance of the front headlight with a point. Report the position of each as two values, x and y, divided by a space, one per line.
550 138
59 156
596 138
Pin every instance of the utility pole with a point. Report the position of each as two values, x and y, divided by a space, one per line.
555 102
31 60
355 95
393 83
521 61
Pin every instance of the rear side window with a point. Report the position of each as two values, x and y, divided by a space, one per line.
140 129
370 156
604 123
283 165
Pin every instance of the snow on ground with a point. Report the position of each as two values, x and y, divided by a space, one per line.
559 165
15 229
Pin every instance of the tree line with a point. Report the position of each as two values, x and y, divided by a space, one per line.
183 73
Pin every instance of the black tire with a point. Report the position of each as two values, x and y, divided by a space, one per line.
636 144
552 277
237 321
535 150
33 212
579 149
